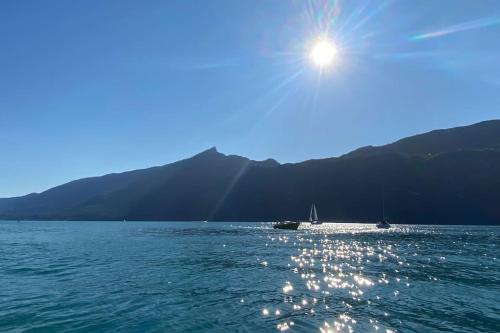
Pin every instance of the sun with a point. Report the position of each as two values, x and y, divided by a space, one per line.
323 53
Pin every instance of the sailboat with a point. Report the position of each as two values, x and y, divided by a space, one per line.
384 224
313 215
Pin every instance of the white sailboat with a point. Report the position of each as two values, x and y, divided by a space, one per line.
313 215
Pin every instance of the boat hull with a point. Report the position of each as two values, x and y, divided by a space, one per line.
286 225
383 225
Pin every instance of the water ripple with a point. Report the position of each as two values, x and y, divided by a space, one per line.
233 277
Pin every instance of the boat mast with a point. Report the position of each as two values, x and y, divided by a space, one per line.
383 208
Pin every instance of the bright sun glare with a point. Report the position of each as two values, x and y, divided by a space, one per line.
323 53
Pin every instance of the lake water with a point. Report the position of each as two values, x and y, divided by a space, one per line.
247 277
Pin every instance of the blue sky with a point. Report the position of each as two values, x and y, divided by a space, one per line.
92 87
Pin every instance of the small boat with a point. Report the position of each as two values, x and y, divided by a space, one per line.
313 215
384 224
289 225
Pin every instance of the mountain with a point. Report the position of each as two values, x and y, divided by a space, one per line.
449 176
484 135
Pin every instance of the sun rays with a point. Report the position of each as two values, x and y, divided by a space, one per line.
330 42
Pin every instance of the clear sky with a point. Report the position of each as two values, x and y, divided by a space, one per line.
91 87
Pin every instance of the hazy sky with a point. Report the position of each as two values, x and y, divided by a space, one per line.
91 87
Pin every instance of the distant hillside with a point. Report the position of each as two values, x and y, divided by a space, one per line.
449 176
484 135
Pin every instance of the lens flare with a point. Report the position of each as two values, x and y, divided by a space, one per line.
471 25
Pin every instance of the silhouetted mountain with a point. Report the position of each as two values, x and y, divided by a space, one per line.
444 177
484 135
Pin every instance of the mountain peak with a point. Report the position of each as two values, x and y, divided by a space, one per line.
209 152
267 163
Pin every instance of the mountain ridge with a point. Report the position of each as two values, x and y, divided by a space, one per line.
489 135
444 176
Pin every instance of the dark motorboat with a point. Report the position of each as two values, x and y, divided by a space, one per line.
289 225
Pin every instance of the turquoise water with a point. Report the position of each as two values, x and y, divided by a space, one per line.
235 277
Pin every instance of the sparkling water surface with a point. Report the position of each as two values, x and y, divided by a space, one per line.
247 277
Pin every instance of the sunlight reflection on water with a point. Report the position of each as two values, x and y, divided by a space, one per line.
341 277
247 277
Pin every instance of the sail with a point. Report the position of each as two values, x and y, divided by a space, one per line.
313 214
